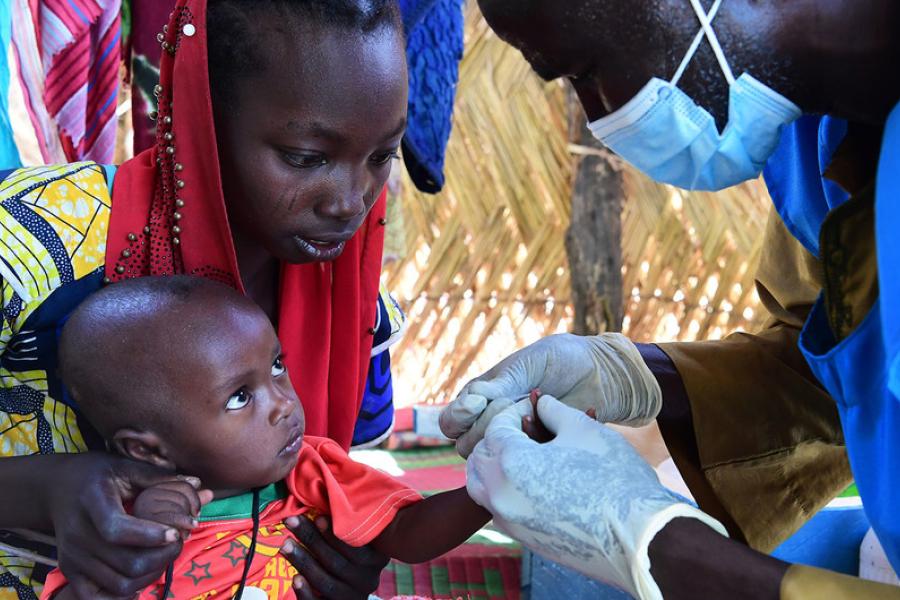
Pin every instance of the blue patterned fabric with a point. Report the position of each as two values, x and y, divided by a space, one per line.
376 414
434 47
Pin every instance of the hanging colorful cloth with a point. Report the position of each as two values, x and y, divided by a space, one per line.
9 154
147 20
68 53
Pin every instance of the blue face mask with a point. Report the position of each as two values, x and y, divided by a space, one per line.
665 134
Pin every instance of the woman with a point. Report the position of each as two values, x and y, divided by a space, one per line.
269 179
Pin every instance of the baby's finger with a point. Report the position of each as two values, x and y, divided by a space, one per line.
190 498
206 496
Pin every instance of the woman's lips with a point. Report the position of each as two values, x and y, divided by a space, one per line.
318 249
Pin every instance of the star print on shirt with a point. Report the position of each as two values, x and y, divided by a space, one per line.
198 572
157 593
236 553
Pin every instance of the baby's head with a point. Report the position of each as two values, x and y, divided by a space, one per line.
186 374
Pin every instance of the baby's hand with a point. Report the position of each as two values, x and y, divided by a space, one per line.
534 427
174 503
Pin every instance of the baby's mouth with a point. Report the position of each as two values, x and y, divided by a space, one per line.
295 441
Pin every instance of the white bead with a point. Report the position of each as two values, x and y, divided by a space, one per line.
189 30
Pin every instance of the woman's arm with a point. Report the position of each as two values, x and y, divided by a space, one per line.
427 529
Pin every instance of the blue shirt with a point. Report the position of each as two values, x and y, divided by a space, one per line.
861 372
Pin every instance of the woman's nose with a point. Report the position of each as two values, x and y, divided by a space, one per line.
348 198
344 206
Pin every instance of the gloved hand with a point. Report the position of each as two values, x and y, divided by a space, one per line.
603 372
585 499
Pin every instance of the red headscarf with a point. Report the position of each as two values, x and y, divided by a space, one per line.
169 217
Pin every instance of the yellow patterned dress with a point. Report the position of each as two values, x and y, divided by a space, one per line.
53 227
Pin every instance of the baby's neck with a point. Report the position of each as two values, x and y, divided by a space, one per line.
229 493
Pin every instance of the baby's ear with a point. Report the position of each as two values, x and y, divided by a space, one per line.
143 446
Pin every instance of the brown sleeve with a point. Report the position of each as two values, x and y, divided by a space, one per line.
763 448
802 583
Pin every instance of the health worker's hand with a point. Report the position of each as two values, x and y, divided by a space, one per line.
104 552
585 499
604 372
327 567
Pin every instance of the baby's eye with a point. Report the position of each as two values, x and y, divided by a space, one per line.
278 367
238 400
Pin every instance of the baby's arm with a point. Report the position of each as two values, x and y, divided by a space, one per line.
436 525
432 527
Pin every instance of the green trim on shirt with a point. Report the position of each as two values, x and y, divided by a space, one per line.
241 506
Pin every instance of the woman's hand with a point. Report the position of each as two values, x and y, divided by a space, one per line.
328 568
103 552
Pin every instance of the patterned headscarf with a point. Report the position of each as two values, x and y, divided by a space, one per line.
169 216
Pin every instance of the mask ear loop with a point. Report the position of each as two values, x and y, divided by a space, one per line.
707 31
714 40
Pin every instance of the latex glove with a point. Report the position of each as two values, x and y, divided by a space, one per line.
603 372
585 499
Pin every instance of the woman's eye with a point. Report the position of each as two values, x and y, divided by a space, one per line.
278 367
238 400
305 161
385 157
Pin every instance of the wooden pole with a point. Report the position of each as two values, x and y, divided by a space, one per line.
594 238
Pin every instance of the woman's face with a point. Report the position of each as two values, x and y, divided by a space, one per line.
306 145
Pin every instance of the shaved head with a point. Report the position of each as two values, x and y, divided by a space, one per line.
139 326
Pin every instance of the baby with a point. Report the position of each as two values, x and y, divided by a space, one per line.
188 375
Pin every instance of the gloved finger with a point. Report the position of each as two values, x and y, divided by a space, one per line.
511 416
475 485
512 382
467 441
506 428
557 416
459 416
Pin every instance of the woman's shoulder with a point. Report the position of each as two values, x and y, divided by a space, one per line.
53 226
